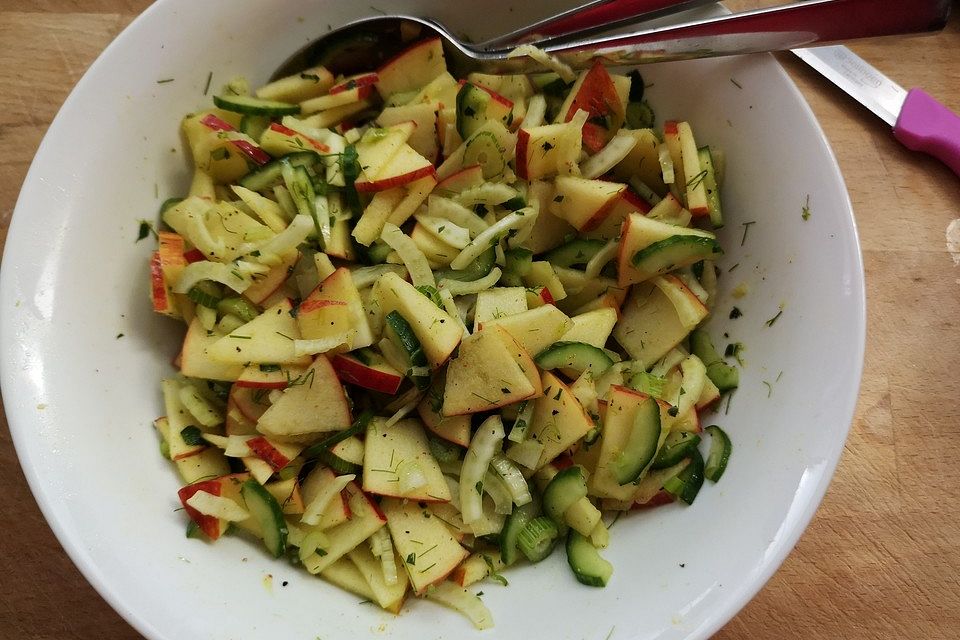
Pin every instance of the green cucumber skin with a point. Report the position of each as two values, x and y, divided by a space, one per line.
576 252
673 252
518 264
724 376
587 564
720 449
574 355
267 511
568 486
713 189
686 485
679 445
471 109
516 521
251 106
270 174
401 334
477 269
641 446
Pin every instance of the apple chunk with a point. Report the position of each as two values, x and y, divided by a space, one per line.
314 403
584 203
377 376
438 333
366 518
484 376
268 338
559 420
428 549
535 329
396 454
333 310
412 69
195 359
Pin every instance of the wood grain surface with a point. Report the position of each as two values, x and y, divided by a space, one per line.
882 556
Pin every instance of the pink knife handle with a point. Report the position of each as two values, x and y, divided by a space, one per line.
926 125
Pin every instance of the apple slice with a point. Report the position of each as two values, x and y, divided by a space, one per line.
225 486
389 597
405 167
251 403
595 93
671 138
499 302
438 332
396 453
195 360
287 494
333 100
166 265
454 429
650 326
442 89
643 161
640 232
477 567
344 574
376 214
696 188
366 518
353 82
208 463
313 404
236 423
338 510
584 203
268 338
559 420
270 283
428 549
269 376
423 140
617 425
377 376
278 141
546 150
246 147
277 454
334 309
412 68
593 327
535 329
690 310
484 376
538 296
464 179
611 224
379 146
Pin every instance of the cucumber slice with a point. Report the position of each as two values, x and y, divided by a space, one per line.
268 514
518 519
677 446
239 307
485 150
168 203
338 464
588 566
720 449
567 487
474 271
399 332
675 251
270 174
640 115
518 262
724 376
537 538
472 104
576 252
578 356
641 444
206 294
686 484
710 183
443 450
250 106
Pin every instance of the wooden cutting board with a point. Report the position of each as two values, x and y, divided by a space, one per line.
882 556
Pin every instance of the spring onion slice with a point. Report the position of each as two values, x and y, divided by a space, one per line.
459 599
413 259
607 158
494 487
489 237
601 258
512 479
314 511
226 274
524 419
536 111
457 288
456 213
483 446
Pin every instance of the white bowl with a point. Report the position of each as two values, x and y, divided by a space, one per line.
80 399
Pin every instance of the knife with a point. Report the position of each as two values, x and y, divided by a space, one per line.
919 121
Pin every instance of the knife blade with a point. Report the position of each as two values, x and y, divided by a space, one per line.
919 121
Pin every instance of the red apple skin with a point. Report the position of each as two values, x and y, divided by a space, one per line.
601 214
356 82
158 290
444 185
246 405
208 524
670 128
262 448
598 97
352 489
355 372
523 140
635 200
406 51
312 305
395 181
253 152
319 146
194 255
257 384
660 498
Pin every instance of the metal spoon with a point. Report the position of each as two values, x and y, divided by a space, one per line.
367 43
